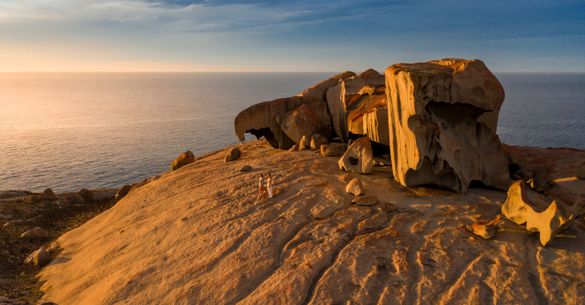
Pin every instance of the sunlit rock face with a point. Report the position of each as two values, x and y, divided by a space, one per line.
442 124
266 119
358 105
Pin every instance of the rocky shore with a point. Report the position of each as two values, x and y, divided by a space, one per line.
390 188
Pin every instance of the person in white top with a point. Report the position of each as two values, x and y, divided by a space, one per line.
261 189
269 186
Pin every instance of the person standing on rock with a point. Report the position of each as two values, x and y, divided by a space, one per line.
261 188
269 186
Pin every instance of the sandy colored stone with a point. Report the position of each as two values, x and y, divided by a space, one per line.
525 206
198 236
319 89
358 158
332 149
317 140
304 143
264 119
442 117
182 160
354 187
233 155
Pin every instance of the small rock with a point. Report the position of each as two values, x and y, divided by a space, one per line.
304 143
182 160
358 158
332 149
122 192
39 258
234 154
294 148
354 187
365 201
317 140
13 223
245 168
35 233
86 195
485 229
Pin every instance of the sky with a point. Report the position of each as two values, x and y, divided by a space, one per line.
280 35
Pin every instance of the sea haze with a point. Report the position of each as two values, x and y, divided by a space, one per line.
69 131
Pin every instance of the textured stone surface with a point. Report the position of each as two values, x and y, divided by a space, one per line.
182 160
355 187
317 140
358 158
332 149
233 154
442 123
304 121
264 119
319 89
525 206
354 97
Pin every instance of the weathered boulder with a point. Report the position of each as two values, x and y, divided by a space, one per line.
319 89
524 205
354 187
370 119
358 158
265 119
182 160
35 233
122 192
332 149
317 140
233 154
354 97
442 123
303 121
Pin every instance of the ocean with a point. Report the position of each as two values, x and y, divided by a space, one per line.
68 131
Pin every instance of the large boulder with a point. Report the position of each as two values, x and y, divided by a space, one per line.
265 119
182 160
525 206
319 89
354 97
358 158
305 121
442 123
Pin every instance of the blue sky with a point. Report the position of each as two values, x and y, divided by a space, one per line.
308 35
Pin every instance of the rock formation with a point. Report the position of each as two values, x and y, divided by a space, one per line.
354 187
358 105
319 90
442 123
304 121
232 155
182 160
317 140
271 119
358 158
525 206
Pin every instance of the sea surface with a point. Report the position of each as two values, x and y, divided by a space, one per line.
69 131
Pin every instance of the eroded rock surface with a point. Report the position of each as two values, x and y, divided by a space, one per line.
358 105
358 158
182 160
199 236
265 119
442 124
539 213
319 90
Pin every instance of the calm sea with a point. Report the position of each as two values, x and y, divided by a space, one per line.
69 131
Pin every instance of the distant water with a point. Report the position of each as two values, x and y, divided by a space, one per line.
69 131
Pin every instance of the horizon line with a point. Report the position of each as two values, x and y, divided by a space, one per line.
240 71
